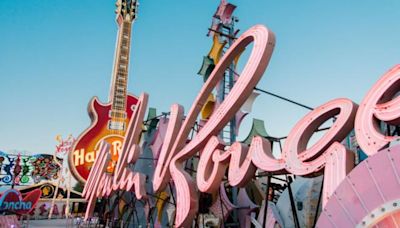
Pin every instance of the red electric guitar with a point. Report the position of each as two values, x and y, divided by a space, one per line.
109 120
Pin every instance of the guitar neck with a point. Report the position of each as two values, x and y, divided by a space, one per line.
120 73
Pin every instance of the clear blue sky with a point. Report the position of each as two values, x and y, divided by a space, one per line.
55 55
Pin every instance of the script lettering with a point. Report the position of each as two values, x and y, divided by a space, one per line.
100 183
302 161
264 42
161 173
327 155
379 105
296 158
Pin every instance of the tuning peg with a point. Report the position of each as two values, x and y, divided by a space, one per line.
118 5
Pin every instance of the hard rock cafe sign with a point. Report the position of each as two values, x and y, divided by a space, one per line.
241 161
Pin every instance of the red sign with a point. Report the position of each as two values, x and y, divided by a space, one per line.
12 200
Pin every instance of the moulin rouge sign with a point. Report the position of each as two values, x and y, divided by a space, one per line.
326 156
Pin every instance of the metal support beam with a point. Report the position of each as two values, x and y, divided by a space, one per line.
266 200
285 99
319 201
292 204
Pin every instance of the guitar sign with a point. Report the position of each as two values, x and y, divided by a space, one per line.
109 121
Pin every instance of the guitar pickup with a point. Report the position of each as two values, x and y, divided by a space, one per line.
114 125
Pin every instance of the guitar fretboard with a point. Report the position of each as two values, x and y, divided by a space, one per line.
119 90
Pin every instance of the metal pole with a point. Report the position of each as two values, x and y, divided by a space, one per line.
267 193
54 197
172 193
266 200
231 81
319 201
222 207
285 99
13 181
294 211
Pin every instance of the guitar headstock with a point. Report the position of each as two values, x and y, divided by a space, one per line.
126 10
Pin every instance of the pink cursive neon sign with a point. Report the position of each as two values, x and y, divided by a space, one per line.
100 183
326 155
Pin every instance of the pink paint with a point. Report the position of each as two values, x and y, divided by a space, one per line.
263 46
327 151
102 184
303 161
158 139
222 206
368 196
378 105
296 158
211 165
326 155
161 173
248 208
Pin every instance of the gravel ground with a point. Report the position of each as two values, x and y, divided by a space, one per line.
53 223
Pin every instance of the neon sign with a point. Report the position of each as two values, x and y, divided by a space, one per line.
11 200
64 146
19 205
241 161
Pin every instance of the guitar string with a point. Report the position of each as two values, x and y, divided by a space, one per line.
119 112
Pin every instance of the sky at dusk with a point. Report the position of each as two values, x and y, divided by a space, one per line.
55 55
